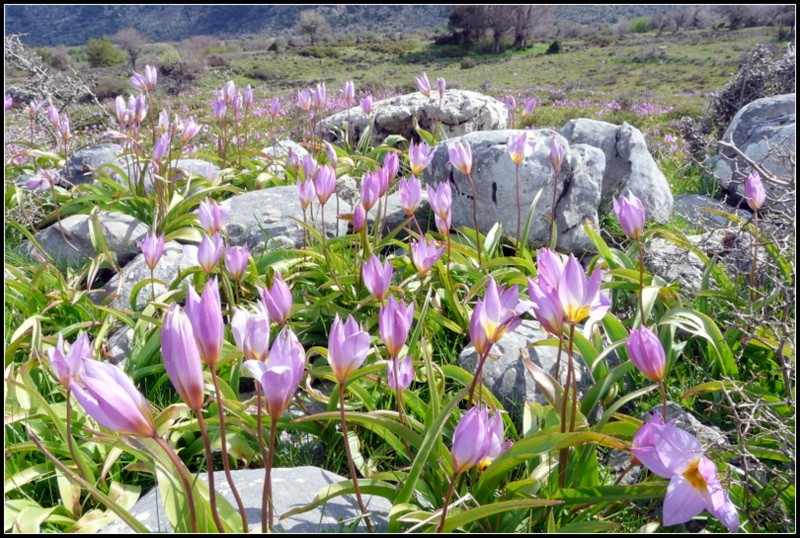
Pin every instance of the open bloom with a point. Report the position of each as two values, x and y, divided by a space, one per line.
471 439
394 322
348 347
69 365
419 157
424 255
460 157
278 300
630 214
212 215
251 332
145 82
377 276
153 248
499 311
110 397
519 148
647 353
182 356
581 298
754 191
423 85
694 485
280 376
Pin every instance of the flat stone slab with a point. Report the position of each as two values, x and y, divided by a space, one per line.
292 487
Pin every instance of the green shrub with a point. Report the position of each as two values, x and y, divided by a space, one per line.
162 55
103 53
274 47
110 87
554 48
639 26
320 52
468 63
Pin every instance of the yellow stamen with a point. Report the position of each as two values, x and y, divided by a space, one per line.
692 474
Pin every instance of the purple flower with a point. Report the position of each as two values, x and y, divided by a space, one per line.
581 298
441 85
471 439
325 183
423 85
693 482
460 157
69 365
405 373
424 255
348 346
440 198
647 353
236 259
494 315
556 154
280 376
310 166
754 191
152 247
145 82
546 306
275 108
247 96
394 322
278 300
205 313
519 148
109 397
190 130
210 252
359 218
305 192
349 93
630 214
228 92
8 102
366 105
391 163
42 181
319 97
304 99
419 157
410 194
549 267
527 110
212 215
161 147
182 357
330 152
370 190
53 116
34 107
377 276
251 332
497 442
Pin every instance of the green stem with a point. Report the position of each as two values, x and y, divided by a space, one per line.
183 472
350 462
265 458
640 248
212 492
224 449
519 215
71 442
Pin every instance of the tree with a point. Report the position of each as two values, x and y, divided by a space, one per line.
132 42
473 22
313 23
529 20
103 53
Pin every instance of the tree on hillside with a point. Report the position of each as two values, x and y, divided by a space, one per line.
313 23
469 21
132 42
530 19
472 23
103 53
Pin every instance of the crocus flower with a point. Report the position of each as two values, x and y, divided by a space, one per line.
69 365
34 107
630 214
160 148
550 267
694 485
152 248
280 376
278 300
53 116
581 298
205 313
182 357
556 154
460 157
348 346
527 110
275 108
236 259
42 181
366 105
391 163
247 96
647 353
419 157
109 397
349 93
139 108
754 191
424 255
410 194
330 151
370 190
163 122
304 99
471 439
319 97
441 85
305 192
212 215
229 92
310 166
519 148
190 130
497 441
325 183
64 129
494 315
210 252
546 306
423 85
8 102
394 322
377 276
145 82
440 198
359 218
251 332
219 110
405 373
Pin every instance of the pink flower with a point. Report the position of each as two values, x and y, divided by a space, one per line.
212 215
647 353
325 183
424 255
359 218
236 259
423 85
440 198
304 99
366 105
441 85
278 300
251 332
182 357
494 315
370 190
410 194
630 214
471 440
546 306
405 373
145 82
205 313
693 482
306 192
419 157
349 93
460 157
377 277
754 191
348 347
556 154
581 298
519 148
280 376
394 322
210 252
153 248
391 163
69 365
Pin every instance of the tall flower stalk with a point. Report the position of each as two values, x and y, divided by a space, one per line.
461 159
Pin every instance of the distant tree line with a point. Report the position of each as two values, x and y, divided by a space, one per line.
470 23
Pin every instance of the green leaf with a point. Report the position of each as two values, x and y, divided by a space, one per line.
481 512
345 487
704 327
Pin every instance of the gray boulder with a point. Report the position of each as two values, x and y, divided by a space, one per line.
505 374
461 112
766 132
293 488
494 175
69 240
83 165
629 165
183 169
693 208
271 219
121 285
275 156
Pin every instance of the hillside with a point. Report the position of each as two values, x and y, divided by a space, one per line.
74 24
